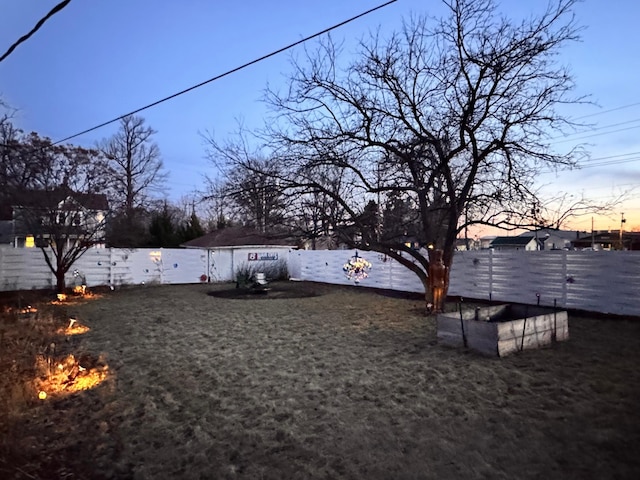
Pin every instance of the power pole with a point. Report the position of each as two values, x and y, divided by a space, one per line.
622 222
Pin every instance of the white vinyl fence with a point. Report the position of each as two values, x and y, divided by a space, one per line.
607 282
25 268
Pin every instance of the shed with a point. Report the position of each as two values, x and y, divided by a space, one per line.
233 249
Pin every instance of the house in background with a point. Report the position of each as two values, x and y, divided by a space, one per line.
241 237
514 243
608 240
551 239
76 215
464 244
485 242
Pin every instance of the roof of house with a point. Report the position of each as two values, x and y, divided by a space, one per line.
50 199
510 241
240 237
564 234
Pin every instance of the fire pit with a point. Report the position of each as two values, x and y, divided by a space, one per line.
503 329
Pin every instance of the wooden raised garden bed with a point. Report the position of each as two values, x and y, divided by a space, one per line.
503 329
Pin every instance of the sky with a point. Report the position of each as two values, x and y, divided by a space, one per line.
98 59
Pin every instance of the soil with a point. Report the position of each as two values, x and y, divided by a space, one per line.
330 383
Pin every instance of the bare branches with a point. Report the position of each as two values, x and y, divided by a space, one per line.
449 118
466 105
136 169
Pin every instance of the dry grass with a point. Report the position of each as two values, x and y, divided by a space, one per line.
345 384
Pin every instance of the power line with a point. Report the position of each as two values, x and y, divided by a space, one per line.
596 134
41 22
609 157
229 72
611 162
594 129
623 107
615 160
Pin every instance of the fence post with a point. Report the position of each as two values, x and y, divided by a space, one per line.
111 276
565 273
491 274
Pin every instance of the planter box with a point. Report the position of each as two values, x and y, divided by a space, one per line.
503 329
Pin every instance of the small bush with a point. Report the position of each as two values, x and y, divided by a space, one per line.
245 273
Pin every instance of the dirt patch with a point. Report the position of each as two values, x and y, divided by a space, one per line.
343 384
272 291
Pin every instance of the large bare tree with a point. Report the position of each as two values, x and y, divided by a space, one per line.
454 116
136 174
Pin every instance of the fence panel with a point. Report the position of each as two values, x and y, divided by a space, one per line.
471 274
24 269
607 282
179 267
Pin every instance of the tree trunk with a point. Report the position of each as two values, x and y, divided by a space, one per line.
438 279
60 281
428 294
433 304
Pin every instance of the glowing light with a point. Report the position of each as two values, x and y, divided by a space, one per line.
357 268
61 297
29 242
69 376
42 395
77 329
80 289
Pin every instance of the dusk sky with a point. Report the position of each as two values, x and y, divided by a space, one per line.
96 60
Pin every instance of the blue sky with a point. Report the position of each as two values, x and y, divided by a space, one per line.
96 60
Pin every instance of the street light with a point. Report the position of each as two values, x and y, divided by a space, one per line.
622 222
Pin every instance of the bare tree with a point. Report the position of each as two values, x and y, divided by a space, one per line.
217 205
453 116
136 173
59 204
250 181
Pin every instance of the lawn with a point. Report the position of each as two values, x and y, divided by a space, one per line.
307 381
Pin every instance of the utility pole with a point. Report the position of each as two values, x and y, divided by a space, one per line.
593 240
622 222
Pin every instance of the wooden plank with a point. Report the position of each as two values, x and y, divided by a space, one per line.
446 338
533 324
503 338
483 345
561 334
538 340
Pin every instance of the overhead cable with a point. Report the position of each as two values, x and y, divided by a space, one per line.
623 107
228 72
41 22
